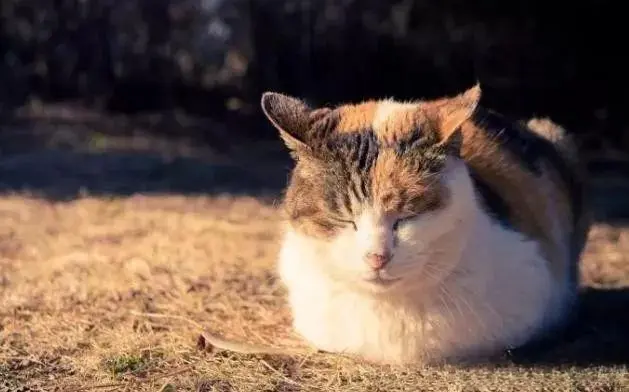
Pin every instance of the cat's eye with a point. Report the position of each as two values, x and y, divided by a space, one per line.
397 223
349 223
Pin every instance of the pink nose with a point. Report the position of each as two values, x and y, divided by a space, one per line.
377 261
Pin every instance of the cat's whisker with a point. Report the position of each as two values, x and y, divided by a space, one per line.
432 268
448 301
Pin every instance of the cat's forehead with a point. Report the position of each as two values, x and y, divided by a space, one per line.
388 119
378 136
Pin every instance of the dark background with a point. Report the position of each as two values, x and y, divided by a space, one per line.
193 70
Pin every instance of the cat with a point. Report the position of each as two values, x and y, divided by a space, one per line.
433 231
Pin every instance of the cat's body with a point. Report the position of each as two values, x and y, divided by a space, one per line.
428 231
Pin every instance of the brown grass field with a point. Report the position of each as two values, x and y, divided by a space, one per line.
96 237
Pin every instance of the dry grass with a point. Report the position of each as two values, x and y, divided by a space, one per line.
76 275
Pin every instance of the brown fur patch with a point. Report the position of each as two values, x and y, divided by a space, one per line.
537 203
568 149
305 207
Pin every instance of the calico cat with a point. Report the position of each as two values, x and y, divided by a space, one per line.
428 231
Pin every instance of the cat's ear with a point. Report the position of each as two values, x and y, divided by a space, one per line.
458 109
290 116
452 112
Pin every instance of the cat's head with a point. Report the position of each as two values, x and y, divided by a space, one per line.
379 190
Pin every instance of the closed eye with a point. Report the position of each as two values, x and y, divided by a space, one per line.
348 223
400 221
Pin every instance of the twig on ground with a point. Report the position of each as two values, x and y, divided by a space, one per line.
97 386
282 376
224 344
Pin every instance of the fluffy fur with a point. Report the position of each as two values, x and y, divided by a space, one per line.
481 221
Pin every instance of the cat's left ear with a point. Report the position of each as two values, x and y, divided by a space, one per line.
290 116
452 113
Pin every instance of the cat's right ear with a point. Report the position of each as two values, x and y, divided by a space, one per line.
290 116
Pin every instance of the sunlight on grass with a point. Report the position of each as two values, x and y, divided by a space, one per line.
75 276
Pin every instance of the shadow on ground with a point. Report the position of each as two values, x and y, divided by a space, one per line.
598 336
65 175
60 153
64 158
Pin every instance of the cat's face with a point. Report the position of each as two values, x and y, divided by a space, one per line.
378 189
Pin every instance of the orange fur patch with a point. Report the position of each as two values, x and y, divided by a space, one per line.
389 120
355 118
396 189
394 120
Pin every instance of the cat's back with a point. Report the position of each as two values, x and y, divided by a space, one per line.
531 180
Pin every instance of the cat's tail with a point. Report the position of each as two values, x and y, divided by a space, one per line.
558 136
567 148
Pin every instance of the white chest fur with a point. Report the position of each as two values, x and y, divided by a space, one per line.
500 295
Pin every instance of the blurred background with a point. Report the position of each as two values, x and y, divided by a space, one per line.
118 97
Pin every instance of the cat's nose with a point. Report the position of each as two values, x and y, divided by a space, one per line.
377 261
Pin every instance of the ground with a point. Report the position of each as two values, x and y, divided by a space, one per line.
97 241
